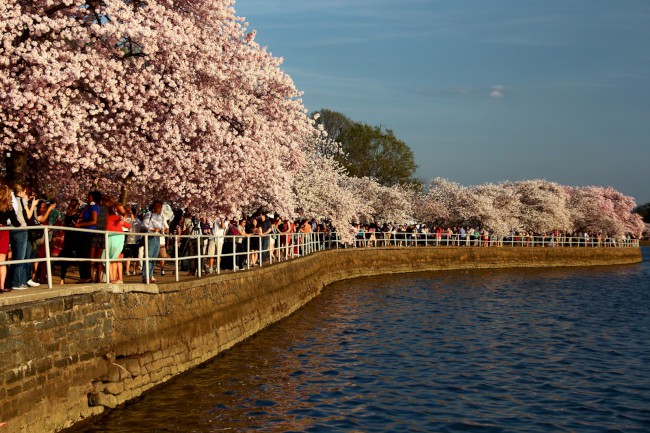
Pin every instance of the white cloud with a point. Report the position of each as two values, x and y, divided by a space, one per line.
497 91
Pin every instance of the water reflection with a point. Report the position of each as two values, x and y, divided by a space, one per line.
489 350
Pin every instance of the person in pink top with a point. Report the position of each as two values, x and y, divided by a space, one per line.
117 224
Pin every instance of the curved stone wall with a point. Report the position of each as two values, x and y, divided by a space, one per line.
70 353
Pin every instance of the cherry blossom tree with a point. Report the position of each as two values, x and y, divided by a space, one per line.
320 191
542 206
172 98
497 207
603 210
535 206
449 203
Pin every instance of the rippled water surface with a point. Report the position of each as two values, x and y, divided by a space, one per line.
483 351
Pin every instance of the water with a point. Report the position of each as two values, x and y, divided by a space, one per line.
547 350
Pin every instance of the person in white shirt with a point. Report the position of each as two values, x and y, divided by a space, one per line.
153 222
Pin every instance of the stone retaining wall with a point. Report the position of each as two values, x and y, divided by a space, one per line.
69 354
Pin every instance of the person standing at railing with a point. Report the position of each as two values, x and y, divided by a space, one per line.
242 244
7 216
266 230
44 210
463 236
152 222
206 232
132 241
116 224
19 239
89 215
274 243
189 245
254 232
304 229
285 238
98 244
70 238
176 227
483 237
229 260
215 242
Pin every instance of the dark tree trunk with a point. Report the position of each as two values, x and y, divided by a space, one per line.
125 189
16 164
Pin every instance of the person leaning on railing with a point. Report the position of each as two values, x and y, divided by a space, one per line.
7 215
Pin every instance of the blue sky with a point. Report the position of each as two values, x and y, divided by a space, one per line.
482 91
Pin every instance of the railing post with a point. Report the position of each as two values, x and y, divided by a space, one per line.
107 270
199 247
146 257
48 262
218 258
248 252
234 254
176 267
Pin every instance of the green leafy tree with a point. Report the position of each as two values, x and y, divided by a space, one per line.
371 151
644 211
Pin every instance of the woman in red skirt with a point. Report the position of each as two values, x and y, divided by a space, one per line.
7 213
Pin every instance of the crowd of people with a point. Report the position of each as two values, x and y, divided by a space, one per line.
369 235
113 230
245 241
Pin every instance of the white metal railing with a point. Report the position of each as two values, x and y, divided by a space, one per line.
240 252
408 239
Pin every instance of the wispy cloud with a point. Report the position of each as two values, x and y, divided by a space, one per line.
443 92
497 91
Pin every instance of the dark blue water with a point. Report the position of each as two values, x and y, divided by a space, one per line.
547 350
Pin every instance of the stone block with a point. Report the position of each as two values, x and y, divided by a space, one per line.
14 375
87 356
29 384
102 399
75 326
16 315
133 366
107 326
114 388
156 355
113 374
91 320
43 364
53 346
14 390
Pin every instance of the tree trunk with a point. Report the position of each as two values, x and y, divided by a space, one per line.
125 189
16 164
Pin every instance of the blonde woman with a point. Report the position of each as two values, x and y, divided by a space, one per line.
19 239
7 213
